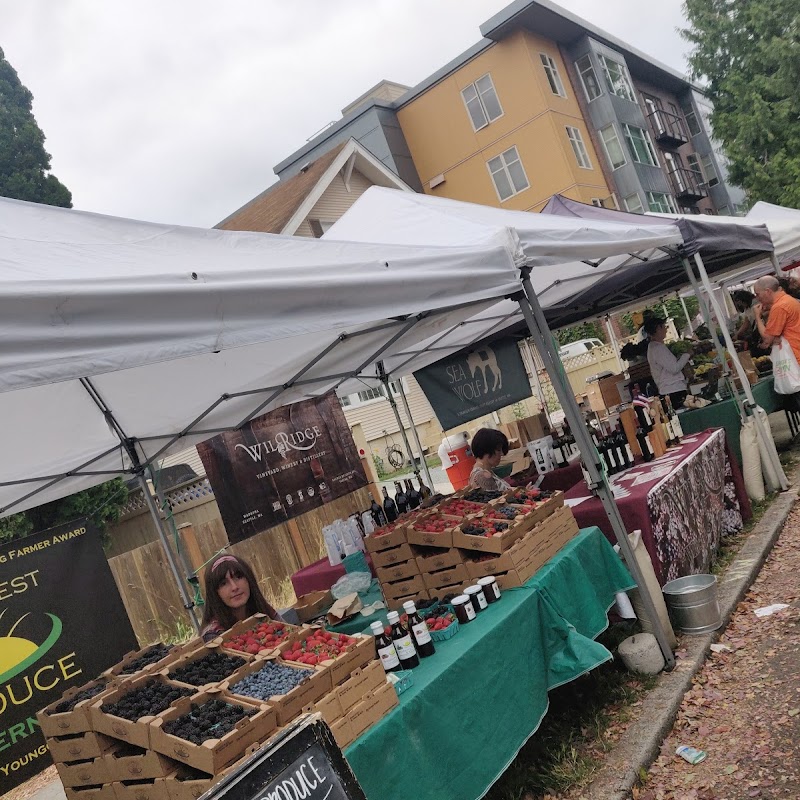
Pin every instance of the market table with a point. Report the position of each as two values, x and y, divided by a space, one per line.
483 694
683 502
725 414
320 575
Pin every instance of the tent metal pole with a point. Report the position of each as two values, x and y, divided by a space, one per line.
415 434
775 265
686 313
543 339
538 383
613 339
390 397
763 434
155 513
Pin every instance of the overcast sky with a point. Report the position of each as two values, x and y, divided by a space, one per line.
177 111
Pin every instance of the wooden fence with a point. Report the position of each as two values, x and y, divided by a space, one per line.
143 576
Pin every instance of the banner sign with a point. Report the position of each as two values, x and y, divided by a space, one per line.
282 464
62 623
475 382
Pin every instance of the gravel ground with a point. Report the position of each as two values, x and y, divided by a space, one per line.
34 785
744 705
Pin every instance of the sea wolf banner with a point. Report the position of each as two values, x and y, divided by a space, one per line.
474 382
282 464
62 623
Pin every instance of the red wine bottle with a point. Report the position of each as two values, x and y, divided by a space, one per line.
385 647
389 508
400 499
401 639
418 628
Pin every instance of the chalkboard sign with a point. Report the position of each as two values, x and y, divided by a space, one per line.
304 761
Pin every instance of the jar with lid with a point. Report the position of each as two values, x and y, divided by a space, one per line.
464 609
477 597
490 588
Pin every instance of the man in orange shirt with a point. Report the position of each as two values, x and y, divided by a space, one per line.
784 314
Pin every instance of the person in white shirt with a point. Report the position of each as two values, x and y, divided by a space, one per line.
667 371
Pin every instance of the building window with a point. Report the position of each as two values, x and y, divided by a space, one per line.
694 166
709 170
640 146
588 78
661 203
482 103
633 203
616 156
691 121
596 201
578 147
553 78
508 174
724 211
617 79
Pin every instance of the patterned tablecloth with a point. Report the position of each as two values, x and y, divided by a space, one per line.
683 502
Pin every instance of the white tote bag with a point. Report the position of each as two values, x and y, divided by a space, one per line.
785 368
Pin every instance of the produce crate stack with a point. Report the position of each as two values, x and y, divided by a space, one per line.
138 732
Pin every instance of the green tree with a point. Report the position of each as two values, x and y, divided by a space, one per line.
674 309
24 163
586 330
748 54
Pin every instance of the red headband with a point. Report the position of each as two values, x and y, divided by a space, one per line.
223 559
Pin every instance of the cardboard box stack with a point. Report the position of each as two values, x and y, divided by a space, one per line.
103 756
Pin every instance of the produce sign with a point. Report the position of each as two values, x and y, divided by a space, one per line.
61 623
282 464
475 382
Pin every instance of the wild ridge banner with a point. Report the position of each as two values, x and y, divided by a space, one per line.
282 464
62 623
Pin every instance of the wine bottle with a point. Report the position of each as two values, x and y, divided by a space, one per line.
610 456
385 647
412 495
389 507
418 628
401 639
625 444
400 499
378 515
619 451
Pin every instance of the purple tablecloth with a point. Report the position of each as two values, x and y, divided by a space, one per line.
683 503
320 576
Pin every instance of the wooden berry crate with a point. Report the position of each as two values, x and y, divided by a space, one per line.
128 763
209 648
359 653
80 747
394 555
77 720
135 733
287 706
213 755
176 652
246 625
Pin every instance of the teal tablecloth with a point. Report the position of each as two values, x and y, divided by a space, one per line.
725 415
481 696
360 623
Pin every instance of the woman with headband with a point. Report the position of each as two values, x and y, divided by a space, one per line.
232 594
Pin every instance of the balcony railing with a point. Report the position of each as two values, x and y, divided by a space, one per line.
669 130
687 185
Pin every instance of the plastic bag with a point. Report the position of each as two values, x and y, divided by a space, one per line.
351 582
785 368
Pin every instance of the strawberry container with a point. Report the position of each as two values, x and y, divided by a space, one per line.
387 536
256 635
433 530
458 508
354 651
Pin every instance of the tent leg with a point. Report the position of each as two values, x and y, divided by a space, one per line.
162 535
390 397
763 434
612 337
543 340
775 265
686 312
537 383
415 435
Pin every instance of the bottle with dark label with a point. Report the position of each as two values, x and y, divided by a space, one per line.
412 495
424 490
389 508
623 440
378 515
400 499
385 647
418 628
644 445
401 639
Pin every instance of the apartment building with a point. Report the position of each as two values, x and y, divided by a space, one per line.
544 103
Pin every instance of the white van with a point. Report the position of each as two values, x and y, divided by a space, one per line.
578 348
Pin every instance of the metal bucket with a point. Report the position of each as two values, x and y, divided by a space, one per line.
693 603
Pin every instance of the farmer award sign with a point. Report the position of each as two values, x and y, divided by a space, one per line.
282 464
62 623
475 382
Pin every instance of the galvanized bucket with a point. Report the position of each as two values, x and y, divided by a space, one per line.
693 603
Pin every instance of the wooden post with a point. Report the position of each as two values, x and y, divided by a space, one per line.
297 541
628 419
191 546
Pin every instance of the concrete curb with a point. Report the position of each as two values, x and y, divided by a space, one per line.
641 743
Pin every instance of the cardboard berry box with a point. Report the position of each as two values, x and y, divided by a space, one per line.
135 733
391 535
76 720
459 508
213 755
442 537
396 603
541 510
250 625
442 559
445 577
176 651
103 792
128 763
287 706
79 747
360 650
83 773
142 789
188 783
211 647
398 572
374 708
497 543
394 555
